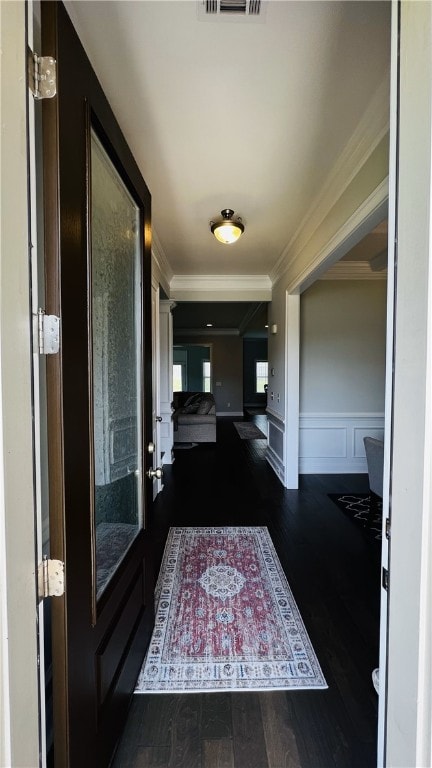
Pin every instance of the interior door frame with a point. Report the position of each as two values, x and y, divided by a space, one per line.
157 458
19 694
408 689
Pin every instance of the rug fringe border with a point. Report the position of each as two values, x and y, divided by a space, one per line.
270 689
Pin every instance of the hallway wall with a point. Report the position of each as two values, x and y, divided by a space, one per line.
351 203
342 346
342 372
227 370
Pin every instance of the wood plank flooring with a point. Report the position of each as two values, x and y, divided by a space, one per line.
334 573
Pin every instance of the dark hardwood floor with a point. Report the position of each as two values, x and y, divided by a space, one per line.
334 572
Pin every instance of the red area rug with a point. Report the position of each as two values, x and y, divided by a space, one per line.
226 618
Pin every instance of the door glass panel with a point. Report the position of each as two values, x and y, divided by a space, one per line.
116 368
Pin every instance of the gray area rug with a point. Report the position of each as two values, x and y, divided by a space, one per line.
248 431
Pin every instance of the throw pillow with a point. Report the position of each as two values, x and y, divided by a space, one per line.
204 406
192 399
192 408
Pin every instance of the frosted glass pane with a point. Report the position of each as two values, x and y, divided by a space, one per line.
116 356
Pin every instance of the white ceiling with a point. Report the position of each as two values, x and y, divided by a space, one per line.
250 116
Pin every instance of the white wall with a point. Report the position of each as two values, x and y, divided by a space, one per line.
342 373
342 347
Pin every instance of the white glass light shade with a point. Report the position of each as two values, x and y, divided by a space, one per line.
227 233
228 230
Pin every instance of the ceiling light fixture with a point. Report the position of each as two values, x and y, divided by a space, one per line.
228 229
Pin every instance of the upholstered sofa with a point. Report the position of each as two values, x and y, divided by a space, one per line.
194 417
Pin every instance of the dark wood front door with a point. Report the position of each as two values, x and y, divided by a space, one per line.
97 230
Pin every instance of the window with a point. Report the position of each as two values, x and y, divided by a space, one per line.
261 375
206 376
178 377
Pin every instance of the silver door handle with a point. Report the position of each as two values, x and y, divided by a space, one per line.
155 473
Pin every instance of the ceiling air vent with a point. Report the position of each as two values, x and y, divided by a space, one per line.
230 10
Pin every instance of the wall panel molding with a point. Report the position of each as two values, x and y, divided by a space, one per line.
333 442
275 454
221 288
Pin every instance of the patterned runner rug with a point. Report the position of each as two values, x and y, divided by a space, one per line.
248 431
226 618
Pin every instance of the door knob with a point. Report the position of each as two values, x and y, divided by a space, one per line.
158 418
150 448
152 473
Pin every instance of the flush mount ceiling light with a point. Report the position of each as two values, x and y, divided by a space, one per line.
228 229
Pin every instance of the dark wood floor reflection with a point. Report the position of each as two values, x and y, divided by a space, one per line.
334 572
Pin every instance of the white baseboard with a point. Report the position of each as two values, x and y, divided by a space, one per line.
276 464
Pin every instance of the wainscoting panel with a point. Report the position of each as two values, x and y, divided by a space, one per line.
166 432
329 443
275 444
359 433
333 443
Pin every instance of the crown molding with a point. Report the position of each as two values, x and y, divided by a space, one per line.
371 129
353 270
345 238
221 288
160 263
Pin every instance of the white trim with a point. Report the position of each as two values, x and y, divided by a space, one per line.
292 390
369 132
275 416
221 288
19 682
166 427
343 416
5 718
409 705
161 269
383 641
333 443
276 464
368 214
353 270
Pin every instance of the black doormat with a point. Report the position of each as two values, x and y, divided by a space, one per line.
358 508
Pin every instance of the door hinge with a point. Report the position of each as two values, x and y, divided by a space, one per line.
48 333
385 578
387 527
51 578
42 75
